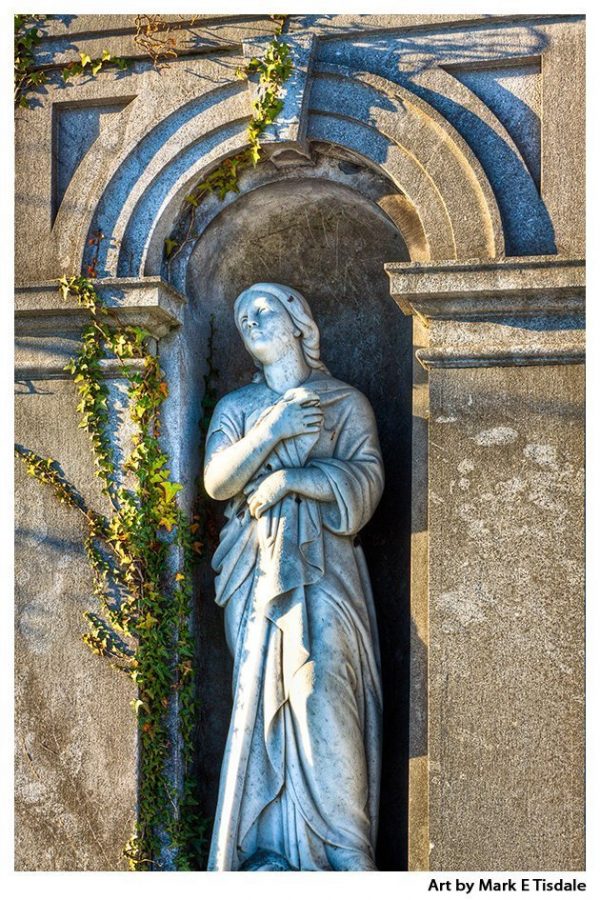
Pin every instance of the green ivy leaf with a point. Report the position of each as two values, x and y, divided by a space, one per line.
170 489
170 245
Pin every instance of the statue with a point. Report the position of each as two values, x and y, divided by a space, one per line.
296 454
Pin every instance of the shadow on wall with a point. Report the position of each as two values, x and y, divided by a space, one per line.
527 226
513 93
526 222
528 229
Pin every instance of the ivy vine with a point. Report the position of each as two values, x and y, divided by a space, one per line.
273 70
141 557
85 65
26 77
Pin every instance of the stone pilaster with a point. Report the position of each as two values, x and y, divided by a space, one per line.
76 745
287 136
497 736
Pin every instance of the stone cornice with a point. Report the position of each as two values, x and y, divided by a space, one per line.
148 302
451 358
473 289
208 34
44 371
518 311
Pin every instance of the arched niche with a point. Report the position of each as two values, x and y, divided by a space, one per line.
137 193
324 230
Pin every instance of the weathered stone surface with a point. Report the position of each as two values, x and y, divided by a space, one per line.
76 734
506 619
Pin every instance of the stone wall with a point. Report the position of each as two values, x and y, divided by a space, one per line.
431 160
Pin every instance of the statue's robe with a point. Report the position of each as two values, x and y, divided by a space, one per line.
300 775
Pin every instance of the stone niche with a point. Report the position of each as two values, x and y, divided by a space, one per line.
319 228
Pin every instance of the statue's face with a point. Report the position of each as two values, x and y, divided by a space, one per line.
266 327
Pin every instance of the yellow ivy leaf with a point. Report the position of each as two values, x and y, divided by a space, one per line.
148 621
170 489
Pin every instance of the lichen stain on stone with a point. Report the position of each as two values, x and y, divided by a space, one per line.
540 497
475 528
542 454
464 608
508 491
500 435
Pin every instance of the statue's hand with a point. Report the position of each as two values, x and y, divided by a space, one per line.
263 493
298 412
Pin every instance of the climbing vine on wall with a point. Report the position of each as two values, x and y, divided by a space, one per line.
26 77
85 65
141 556
273 70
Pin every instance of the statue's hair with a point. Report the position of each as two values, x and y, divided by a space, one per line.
299 312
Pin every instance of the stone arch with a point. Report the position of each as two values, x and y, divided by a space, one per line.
117 173
390 130
387 126
330 163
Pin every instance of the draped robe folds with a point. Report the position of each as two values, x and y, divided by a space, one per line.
300 776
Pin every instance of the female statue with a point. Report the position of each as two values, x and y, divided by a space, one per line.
297 456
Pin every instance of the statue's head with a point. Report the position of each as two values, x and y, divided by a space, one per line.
271 317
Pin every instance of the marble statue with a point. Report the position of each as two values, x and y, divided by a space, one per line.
296 454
